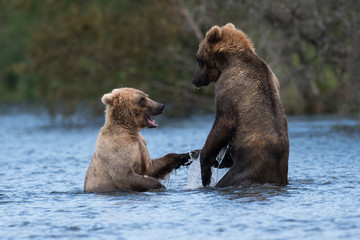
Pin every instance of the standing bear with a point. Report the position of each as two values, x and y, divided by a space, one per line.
250 118
121 159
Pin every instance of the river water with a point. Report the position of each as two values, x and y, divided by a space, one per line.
43 165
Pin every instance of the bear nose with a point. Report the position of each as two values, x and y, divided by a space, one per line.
195 83
162 106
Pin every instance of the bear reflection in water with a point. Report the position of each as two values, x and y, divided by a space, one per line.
121 159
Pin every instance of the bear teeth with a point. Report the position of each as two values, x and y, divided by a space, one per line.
151 122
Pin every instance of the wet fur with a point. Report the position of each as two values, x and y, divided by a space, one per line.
121 159
250 118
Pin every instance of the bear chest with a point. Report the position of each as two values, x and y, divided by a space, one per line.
143 160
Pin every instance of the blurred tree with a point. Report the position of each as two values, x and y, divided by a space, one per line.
311 45
15 33
68 53
319 39
90 49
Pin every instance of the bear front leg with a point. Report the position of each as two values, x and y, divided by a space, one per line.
144 183
136 182
159 167
124 177
218 138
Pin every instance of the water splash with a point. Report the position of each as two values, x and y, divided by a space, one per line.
218 172
166 180
193 172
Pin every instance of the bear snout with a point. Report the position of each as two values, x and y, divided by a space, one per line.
193 82
157 109
200 77
160 109
200 82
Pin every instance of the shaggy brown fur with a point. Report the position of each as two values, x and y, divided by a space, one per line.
250 118
121 159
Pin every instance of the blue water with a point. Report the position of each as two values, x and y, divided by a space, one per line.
43 166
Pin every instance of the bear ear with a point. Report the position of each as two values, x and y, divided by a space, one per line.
213 35
107 99
230 25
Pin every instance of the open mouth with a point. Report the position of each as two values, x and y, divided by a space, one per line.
150 123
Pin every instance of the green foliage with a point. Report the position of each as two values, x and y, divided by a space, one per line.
15 33
66 53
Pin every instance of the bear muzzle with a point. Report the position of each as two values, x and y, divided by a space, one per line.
200 83
150 123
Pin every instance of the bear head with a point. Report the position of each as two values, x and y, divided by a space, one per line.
131 108
216 50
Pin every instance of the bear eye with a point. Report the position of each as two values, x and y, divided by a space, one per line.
142 102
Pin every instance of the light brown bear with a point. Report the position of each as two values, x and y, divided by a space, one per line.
121 159
250 118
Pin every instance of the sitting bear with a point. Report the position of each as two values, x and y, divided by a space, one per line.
121 159
250 118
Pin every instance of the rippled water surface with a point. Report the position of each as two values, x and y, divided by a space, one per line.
43 166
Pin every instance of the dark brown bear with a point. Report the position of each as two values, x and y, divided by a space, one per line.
250 118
